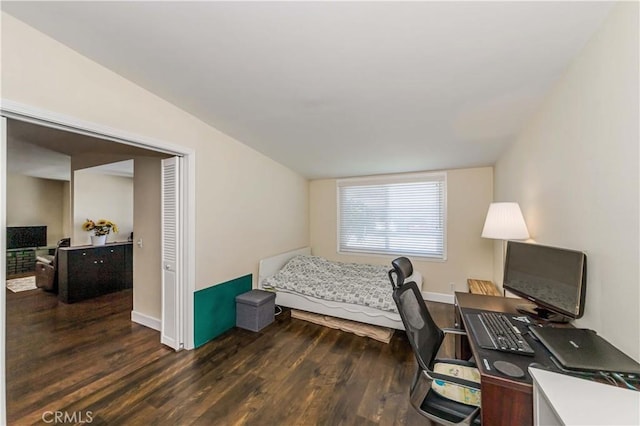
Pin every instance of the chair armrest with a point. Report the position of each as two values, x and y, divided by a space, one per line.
454 331
455 362
48 260
471 362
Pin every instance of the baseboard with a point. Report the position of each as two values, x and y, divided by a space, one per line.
438 297
146 320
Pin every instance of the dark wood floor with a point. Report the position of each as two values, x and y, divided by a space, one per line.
90 362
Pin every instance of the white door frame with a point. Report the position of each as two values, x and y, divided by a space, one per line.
3 270
22 112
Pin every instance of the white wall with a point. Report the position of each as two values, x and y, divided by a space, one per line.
574 171
147 218
98 196
36 201
247 205
469 193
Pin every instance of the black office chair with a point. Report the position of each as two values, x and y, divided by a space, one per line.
446 391
402 269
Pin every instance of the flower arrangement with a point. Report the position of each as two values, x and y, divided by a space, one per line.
101 227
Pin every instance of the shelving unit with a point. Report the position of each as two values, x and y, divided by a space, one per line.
482 287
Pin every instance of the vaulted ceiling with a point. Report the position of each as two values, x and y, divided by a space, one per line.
335 89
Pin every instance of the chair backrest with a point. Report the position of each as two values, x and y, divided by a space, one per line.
423 333
64 242
402 269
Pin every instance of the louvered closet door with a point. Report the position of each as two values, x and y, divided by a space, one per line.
171 224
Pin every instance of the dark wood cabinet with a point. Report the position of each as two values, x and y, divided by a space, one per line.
87 271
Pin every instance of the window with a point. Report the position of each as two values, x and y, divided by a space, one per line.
401 215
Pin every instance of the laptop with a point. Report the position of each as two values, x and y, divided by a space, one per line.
582 349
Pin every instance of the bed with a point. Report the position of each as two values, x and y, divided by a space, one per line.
375 309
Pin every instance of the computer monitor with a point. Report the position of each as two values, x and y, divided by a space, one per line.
553 278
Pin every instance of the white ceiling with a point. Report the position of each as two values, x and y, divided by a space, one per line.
335 89
45 152
33 160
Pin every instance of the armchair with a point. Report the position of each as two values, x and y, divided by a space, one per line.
47 268
446 391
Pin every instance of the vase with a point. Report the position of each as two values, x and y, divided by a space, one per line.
98 240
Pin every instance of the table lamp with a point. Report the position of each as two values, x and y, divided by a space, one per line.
505 222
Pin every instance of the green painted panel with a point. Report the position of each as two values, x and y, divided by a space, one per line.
215 308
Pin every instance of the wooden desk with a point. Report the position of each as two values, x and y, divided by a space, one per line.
505 401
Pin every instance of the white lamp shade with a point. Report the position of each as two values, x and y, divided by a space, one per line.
505 222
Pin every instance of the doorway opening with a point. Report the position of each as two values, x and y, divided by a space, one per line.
183 286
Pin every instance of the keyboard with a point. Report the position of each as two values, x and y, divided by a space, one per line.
493 330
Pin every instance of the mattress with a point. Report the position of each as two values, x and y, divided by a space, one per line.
350 283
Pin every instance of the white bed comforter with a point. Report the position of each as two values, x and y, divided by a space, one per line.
359 284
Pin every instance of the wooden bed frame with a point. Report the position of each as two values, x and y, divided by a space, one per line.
364 314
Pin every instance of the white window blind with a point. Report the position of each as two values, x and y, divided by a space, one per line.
402 215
